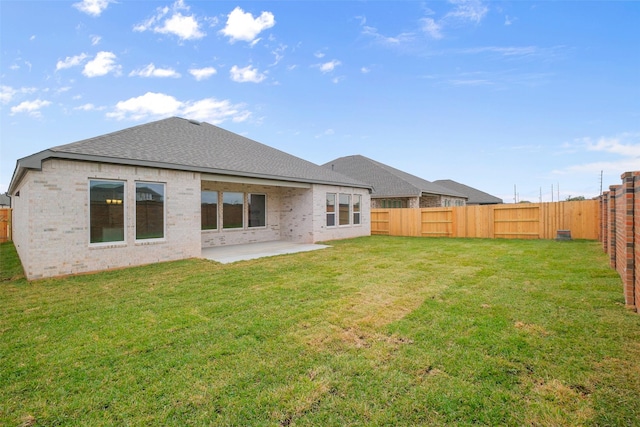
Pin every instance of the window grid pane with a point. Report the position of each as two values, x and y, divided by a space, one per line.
149 210
356 208
106 211
209 210
345 200
331 210
257 210
232 210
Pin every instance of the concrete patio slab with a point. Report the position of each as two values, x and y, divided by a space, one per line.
233 253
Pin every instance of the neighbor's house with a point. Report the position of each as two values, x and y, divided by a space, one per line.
164 190
5 201
474 196
393 188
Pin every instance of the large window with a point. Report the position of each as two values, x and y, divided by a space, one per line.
257 210
232 210
106 211
331 209
356 208
149 210
209 210
344 212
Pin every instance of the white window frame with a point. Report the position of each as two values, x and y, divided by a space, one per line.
353 211
332 214
244 205
348 207
164 212
218 198
248 202
123 202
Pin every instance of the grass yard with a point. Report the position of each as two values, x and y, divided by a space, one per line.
373 331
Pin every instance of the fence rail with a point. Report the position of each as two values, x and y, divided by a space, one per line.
5 225
517 221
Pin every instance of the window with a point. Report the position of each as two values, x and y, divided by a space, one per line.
343 214
232 210
356 208
149 210
209 210
106 211
392 203
331 210
257 210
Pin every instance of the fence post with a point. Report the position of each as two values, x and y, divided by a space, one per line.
627 257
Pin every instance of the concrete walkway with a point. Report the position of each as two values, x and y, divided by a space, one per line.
233 253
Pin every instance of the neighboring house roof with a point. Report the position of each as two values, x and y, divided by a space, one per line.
476 197
5 200
188 145
386 180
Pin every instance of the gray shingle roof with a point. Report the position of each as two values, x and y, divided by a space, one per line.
386 180
476 197
181 144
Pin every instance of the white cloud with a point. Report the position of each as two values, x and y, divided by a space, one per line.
467 10
159 105
616 145
202 73
387 40
92 7
365 70
243 26
214 111
87 107
71 61
625 146
104 63
246 74
183 26
32 108
328 67
151 71
95 40
431 27
7 92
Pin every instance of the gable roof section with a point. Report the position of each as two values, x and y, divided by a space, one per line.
476 197
188 145
386 180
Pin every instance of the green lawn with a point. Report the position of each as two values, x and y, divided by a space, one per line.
373 331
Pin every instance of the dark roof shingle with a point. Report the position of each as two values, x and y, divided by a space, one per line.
386 180
181 144
476 197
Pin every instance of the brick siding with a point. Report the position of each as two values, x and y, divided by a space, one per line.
620 233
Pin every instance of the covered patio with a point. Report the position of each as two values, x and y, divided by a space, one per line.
232 253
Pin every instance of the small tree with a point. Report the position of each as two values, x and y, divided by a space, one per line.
575 199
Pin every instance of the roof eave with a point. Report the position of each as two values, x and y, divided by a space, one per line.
34 162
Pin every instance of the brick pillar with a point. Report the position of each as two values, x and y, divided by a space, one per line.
636 246
612 226
604 221
626 259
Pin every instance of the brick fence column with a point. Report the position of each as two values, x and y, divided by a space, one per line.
636 247
626 258
612 226
604 221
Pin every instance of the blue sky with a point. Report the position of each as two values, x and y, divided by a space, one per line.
515 98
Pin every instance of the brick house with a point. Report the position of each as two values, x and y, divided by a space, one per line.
393 188
163 191
474 196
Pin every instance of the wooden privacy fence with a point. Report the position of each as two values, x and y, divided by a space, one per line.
5 225
517 221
